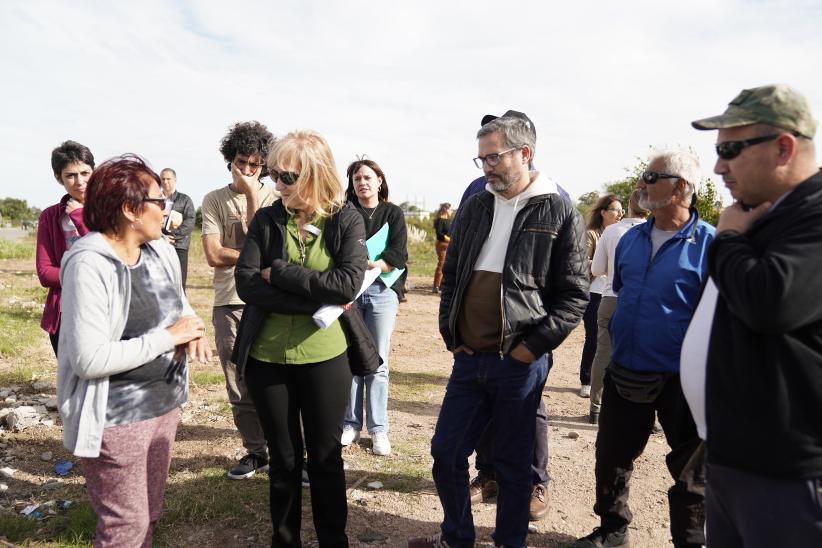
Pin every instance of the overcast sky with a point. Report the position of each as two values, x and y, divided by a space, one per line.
405 83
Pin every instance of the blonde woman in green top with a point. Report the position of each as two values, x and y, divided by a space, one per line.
305 250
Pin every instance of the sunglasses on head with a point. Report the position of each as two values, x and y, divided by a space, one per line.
731 149
287 178
651 177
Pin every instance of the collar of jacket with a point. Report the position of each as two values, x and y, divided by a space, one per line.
809 188
687 232
487 199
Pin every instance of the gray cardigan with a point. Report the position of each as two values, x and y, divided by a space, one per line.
94 309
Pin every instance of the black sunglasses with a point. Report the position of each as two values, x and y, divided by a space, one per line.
731 149
651 177
288 178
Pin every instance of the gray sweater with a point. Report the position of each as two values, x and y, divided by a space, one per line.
94 306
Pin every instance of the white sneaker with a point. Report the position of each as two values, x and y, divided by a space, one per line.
585 391
349 435
380 444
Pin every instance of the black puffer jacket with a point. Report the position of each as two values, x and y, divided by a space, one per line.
295 289
544 280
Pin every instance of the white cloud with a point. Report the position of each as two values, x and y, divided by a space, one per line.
405 84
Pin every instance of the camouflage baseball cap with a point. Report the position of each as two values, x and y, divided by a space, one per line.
776 105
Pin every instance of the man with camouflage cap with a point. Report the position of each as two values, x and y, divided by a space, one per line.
752 357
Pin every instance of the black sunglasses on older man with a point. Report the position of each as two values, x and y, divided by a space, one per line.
731 149
651 177
287 178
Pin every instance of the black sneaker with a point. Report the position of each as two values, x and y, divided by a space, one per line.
248 466
600 538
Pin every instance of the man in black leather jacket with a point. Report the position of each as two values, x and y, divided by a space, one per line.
515 284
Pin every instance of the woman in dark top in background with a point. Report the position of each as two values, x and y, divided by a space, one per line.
368 191
442 225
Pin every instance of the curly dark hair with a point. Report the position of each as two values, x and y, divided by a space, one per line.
247 138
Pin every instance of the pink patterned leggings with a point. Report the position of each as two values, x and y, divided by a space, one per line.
127 482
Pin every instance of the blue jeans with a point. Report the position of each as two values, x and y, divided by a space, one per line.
378 306
483 387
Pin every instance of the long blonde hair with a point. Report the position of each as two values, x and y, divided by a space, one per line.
308 152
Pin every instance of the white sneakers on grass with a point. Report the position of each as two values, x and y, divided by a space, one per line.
349 436
380 444
379 440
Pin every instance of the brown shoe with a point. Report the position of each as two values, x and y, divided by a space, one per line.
482 489
428 542
539 502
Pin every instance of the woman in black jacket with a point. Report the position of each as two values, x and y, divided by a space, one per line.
442 226
304 251
368 191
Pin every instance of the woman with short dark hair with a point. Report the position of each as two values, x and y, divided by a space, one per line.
126 327
60 226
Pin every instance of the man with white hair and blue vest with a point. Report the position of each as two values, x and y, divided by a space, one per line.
658 273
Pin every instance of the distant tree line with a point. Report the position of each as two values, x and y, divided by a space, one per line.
14 211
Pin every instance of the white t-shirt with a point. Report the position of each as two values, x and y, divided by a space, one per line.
693 359
603 262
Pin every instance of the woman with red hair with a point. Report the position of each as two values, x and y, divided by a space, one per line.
126 327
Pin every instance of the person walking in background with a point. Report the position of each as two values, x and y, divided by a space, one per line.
607 211
304 251
122 373
503 264
752 358
227 213
368 191
60 226
603 265
658 273
442 227
180 221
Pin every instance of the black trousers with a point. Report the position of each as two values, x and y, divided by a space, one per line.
539 466
54 339
318 392
182 254
750 511
624 429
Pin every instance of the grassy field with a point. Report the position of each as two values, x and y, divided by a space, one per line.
198 495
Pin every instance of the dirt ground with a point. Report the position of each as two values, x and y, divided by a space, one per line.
407 504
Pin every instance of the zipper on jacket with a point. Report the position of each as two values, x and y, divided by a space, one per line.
502 318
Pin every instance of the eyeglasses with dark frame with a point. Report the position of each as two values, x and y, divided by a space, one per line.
492 160
161 202
288 178
651 177
731 149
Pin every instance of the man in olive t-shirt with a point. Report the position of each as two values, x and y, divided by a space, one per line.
227 213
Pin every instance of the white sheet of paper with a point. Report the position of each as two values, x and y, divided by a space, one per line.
326 315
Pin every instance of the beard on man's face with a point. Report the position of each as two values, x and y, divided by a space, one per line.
646 203
502 182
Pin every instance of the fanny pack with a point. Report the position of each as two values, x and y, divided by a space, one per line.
637 386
